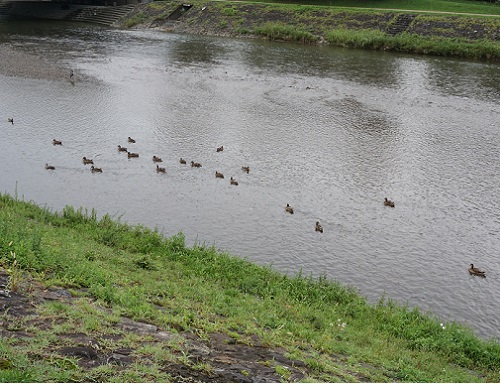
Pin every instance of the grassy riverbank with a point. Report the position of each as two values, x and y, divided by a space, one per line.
293 328
355 24
429 6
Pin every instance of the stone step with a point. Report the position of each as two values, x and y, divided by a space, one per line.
400 24
101 15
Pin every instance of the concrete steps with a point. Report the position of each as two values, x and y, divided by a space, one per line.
100 15
400 24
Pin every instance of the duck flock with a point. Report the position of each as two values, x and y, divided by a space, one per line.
288 209
156 159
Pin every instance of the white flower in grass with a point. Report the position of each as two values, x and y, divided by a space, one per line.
341 325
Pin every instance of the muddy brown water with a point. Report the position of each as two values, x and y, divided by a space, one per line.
329 131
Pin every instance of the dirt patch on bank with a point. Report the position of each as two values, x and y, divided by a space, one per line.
224 358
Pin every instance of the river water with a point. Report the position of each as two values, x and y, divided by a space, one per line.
329 131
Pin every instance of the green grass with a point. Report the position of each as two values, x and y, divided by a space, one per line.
229 11
454 6
277 31
438 46
136 19
134 271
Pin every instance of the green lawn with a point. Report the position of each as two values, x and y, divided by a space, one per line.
456 6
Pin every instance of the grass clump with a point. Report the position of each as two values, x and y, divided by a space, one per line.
229 11
283 32
357 39
411 43
136 272
136 19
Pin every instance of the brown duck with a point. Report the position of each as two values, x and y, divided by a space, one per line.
476 271
95 169
233 181
87 161
51 167
182 161
219 175
160 169
130 140
246 169
289 209
132 154
122 149
319 228
388 203
220 149
157 159
197 165
56 142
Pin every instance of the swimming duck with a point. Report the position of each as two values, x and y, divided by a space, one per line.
132 154
182 161
388 203
87 161
130 140
476 271
122 149
197 165
246 169
157 159
49 166
160 169
319 228
233 181
10 120
220 149
219 175
289 209
95 169
56 142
